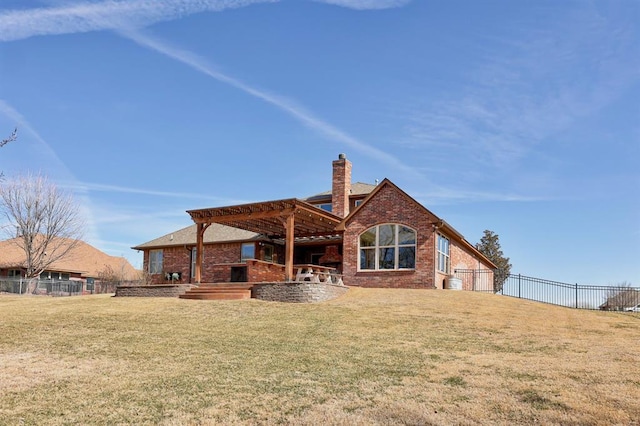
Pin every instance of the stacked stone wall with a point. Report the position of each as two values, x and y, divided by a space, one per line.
297 292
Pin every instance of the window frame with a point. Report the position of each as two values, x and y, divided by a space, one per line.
194 256
443 258
268 253
396 246
328 207
155 266
244 259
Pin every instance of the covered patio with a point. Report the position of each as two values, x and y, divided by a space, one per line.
287 220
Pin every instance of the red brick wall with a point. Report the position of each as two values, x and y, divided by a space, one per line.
389 205
178 259
341 187
260 272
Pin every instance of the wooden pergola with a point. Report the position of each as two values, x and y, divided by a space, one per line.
284 219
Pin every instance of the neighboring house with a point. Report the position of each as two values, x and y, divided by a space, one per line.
83 264
375 235
621 299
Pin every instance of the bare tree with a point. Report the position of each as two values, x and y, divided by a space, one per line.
621 297
46 221
11 138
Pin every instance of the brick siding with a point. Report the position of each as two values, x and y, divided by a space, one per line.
390 205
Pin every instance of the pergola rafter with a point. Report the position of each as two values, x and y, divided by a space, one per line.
286 219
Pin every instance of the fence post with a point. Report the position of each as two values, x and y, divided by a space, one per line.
576 295
519 285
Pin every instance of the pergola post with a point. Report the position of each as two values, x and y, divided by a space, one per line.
289 236
199 250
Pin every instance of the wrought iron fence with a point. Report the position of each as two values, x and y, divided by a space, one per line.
610 298
60 287
476 279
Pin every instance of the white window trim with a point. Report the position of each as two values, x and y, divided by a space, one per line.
446 256
376 248
194 255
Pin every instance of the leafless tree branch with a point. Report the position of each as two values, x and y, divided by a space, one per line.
44 221
11 138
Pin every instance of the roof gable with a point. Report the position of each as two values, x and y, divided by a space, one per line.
386 183
437 222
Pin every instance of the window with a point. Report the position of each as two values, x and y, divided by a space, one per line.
155 261
248 251
388 247
268 253
443 254
15 273
325 206
358 202
194 253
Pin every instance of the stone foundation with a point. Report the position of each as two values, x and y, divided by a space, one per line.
297 292
164 290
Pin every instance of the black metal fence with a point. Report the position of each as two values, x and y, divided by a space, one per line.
48 287
58 287
610 298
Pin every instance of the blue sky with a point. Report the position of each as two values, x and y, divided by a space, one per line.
518 117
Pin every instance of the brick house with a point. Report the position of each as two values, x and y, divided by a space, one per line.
84 266
374 235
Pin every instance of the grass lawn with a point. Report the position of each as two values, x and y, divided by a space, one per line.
371 357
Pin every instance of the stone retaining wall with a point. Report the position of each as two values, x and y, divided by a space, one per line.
297 292
164 290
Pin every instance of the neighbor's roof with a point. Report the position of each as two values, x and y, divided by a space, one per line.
357 188
83 258
216 233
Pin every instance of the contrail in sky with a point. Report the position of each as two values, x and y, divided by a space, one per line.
126 17
296 111
84 17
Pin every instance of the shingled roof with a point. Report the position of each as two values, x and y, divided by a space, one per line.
357 188
216 233
83 258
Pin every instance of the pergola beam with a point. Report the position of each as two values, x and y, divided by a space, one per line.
286 219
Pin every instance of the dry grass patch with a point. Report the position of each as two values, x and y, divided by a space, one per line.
370 357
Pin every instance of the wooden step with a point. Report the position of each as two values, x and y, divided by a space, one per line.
226 291
217 296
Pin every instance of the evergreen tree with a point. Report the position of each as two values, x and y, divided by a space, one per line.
489 245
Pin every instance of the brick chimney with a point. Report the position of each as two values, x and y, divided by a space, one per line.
341 186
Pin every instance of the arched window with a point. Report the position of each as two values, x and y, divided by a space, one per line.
388 247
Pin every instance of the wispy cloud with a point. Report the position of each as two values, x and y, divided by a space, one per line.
43 149
126 17
526 89
106 15
81 17
288 106
97 187
366 4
